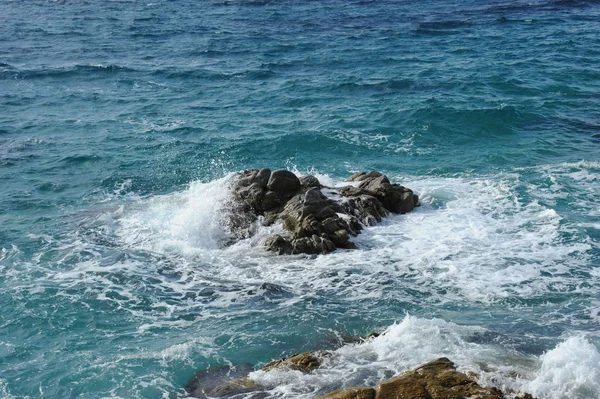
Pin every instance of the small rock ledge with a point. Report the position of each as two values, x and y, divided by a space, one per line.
316 219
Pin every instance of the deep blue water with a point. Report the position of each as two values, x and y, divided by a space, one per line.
120 122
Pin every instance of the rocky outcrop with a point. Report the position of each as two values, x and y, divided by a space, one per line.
226 382
304 362
437 379
316 219
352 393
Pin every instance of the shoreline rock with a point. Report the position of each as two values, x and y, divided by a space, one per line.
314 223
437 379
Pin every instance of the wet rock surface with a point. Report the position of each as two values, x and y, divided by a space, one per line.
304 362
352 393
222 382
314 223
437 379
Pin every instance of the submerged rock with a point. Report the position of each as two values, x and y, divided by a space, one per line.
227 382
314 223
222 382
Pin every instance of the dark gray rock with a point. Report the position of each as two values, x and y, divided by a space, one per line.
366 208
313 222
284 183
310 181
251 176
394 197
279 245
360 176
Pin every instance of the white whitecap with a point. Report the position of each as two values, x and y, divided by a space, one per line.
182 222
569 371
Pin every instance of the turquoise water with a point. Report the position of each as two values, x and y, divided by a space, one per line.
120 123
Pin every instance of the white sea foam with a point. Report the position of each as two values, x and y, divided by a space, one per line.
472 241
569 371
475 238
406 345
4 392
181 222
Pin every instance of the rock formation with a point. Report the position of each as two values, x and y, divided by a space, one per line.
316 219
305 362
223 382
437 379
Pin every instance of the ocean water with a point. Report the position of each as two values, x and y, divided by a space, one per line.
121 123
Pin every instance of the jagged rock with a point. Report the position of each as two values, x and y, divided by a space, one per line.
284 183
352 393
304 362
278 244
312 245
313 222
310 181
365 208
394 197
360 176
251 176
437 379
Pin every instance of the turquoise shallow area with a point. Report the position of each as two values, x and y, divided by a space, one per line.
117 118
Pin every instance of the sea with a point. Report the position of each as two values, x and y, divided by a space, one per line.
122 124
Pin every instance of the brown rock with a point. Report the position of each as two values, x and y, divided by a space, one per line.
305 362
271 200
254 176
435 380
352 393
373 184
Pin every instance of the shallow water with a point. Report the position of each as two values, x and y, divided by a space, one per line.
121 123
